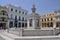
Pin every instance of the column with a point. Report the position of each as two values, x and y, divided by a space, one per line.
13 24
54 24
40 24
27 23
17 24
7 24
33 23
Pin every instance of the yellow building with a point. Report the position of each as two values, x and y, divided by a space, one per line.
3 17
48 20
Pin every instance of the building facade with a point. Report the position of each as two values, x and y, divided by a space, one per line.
50 20
57 16
3 17
33 19
12 16
17 17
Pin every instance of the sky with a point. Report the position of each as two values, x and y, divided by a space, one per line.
42 6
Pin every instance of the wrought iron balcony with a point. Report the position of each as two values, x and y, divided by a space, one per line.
3 20
4 16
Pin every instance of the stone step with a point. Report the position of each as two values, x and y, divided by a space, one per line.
5 37
10 35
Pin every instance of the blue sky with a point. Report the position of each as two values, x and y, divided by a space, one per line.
42 6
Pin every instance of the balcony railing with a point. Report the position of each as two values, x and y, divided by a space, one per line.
3 21
5 16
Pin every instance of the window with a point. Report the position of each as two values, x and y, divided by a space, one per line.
15 17
15 10
37 22
19 18
19 11
42 20
47 19
51 24
30 23
22 12
11 9
26 13
25 24
10 24
51 19
22 24
3 13
22 18
19 24
2 19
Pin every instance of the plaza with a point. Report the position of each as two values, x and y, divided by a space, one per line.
17 24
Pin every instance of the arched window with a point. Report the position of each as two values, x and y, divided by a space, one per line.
19 24
22 18
15 17
10 24
30 22
22 24
19 18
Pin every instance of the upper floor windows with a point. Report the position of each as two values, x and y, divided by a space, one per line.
42 20
15 17
19 11
19 18
3 12
45 19
26 13
11 9
22 12
15 10
22 18
51 19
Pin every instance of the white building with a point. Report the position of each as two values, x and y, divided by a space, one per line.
33 19
17 17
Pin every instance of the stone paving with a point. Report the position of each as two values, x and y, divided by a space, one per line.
1 38
8 36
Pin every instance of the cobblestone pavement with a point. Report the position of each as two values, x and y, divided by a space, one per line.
2 38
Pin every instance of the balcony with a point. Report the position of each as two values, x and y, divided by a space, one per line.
5 16
3 21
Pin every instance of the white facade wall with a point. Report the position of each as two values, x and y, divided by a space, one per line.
13 14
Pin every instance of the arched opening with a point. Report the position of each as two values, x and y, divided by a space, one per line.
19 24
2 26
11 24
